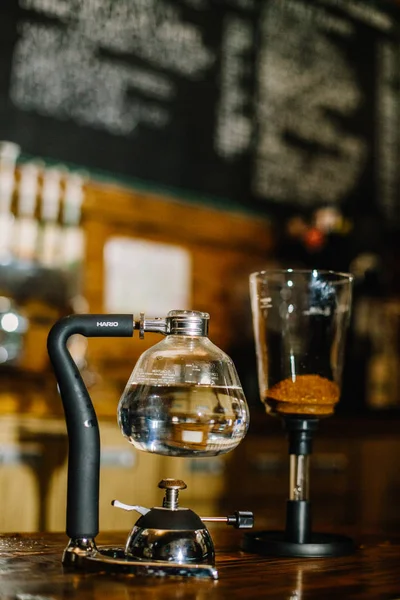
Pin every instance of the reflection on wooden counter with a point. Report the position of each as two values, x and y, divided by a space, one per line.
31 568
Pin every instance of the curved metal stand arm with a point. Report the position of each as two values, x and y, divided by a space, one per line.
80 416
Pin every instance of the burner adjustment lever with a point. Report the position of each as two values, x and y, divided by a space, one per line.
241 519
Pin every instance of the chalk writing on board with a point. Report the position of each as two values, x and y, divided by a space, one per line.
303 154
234 126
79 69
388 123
363 12
150 29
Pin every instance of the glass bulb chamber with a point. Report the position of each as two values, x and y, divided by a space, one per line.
184 398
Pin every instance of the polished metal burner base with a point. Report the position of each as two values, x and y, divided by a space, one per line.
85 556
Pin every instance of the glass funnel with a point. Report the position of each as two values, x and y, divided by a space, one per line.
300 320
184 397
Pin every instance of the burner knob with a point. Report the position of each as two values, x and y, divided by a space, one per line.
172 484
171 487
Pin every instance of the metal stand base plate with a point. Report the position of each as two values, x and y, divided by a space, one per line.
113 560
273 543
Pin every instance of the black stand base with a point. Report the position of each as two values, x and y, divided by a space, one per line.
274 543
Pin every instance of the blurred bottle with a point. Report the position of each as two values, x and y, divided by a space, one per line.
49 242
9 153
366 365
382 383
25 238
73 240
317 240
13 325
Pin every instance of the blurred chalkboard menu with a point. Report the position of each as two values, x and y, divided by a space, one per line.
277 104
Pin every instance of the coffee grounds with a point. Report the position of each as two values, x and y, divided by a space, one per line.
307 395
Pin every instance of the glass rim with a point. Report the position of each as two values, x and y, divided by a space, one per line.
341 277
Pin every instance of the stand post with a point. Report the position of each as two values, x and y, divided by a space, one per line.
298 508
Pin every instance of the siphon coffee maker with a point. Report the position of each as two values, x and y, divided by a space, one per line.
300 320
184 399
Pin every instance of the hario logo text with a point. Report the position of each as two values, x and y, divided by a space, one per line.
107 323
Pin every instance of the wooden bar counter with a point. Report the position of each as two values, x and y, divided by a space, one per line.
30 569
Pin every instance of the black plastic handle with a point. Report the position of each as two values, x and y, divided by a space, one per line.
80 416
